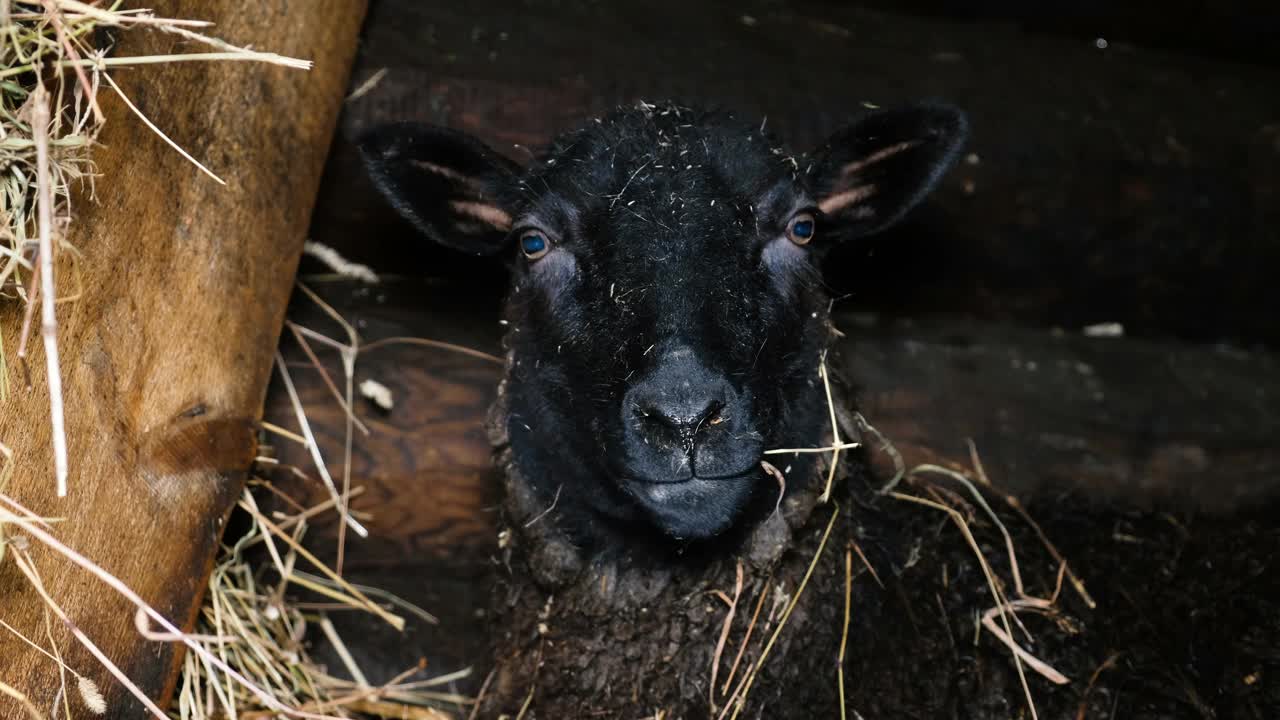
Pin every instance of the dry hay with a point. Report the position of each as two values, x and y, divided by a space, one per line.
999 619
258 631
256 627
247 657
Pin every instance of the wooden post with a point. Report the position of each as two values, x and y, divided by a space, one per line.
166 355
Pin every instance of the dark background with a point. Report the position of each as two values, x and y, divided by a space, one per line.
1136 183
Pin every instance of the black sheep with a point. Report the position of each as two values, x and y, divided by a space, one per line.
666 314
667 322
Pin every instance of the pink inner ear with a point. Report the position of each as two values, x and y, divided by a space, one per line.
853 193
443 171
841 201
485 213
857 166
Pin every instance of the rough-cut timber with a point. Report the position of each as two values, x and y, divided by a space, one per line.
166 355
1134 421
428 484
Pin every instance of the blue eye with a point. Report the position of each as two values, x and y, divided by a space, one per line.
802 228
534 244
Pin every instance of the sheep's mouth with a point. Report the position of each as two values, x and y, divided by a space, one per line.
693 507
689 476
643 464
657 485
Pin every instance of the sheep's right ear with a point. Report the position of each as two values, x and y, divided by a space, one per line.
451 186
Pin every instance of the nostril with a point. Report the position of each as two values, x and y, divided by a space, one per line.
711 416
679 405
684 420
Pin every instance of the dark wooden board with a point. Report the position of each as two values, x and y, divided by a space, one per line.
1241 30
429 486
1141 423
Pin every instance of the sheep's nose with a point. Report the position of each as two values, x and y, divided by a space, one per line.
678 402
678 417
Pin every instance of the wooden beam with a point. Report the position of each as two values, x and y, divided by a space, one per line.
166 356
1128 421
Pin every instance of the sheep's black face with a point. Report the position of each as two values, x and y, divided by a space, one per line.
666 316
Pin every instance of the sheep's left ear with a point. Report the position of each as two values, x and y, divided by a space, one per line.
452 187
868 175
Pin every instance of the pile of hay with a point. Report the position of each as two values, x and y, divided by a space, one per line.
251 624
32 39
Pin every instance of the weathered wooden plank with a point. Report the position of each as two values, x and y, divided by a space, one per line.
427 483
166 356
1234 30
1113 420
425 463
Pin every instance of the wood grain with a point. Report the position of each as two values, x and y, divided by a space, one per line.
429 485
165 358
1118 420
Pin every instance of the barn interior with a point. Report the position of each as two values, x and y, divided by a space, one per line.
1081 316
1089 297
